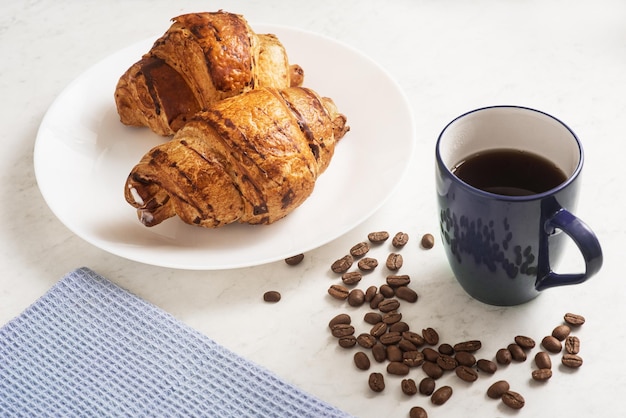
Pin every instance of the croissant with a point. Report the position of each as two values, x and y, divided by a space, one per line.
251 158
202 58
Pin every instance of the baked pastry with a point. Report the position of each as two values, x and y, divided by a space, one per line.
251 158
202 58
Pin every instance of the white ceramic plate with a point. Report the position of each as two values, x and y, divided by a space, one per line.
83 155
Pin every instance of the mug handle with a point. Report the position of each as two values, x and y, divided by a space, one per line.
587 243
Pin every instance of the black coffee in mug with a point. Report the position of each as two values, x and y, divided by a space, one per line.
509 172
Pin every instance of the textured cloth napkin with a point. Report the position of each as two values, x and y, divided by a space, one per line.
89 348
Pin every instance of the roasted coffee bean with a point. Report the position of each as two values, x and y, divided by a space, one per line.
441 395
342 330
498 389
487 366
338 291
373 318
430 354
574 319
379 352
432 369
466 373
572 360
561 332
356 297
339 319
389 305
430 336
271 296
543 360
526 343
367 264
370 293
361 360
392 317
427 386
446 348
397 280
376 382
378 237
360 249
399 327
541 374
400 239
397 368
413 337
413 358
343 264
394 353
446 362
387 291
418 412
572 344
366 340
408 387
378 297
378 329
504 356
471 346
407 294
390 338
394 261
465 358
428 241
513 399
517 352
294 260
348 341
406 345
551 344
351 277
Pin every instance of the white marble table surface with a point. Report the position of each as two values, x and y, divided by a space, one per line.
565 57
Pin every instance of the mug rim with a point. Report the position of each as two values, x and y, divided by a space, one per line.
496 196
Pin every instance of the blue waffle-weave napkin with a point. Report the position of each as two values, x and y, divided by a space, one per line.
89 348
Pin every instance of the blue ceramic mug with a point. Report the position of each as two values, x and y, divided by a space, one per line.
501 244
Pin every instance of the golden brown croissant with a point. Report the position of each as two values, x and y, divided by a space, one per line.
202 58
251 158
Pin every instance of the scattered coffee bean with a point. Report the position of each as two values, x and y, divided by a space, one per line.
373 318
543 360
339 319
498 389
359 249
446 348
379 352
466 373
551 344
407 294
432 370
378 237
342 330
361 360
414 338
526 343
378 329
356 297
561 332
572 360
347 341
513 399
413 358
441 395
447 362
366 340
387 291
574 319
370 292
408 387
572 344
338 291
392 317
390 338
428 241
376 382
294 260
406 345
400 239
517 352
394 261
430 354
487 366
388 305
418 412
351 277
367 264
399 327
427 386
430 336
343 264
271 296
397 368
398 280
504 356
465 358
394 353
471 346
541 374
378 297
